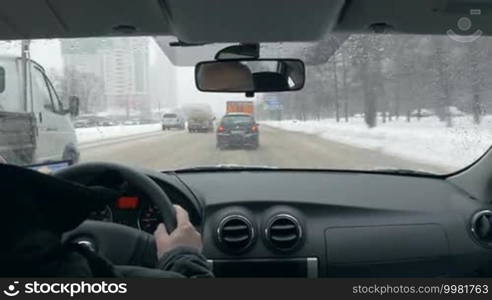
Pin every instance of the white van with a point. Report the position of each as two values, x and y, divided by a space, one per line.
172 120
36 126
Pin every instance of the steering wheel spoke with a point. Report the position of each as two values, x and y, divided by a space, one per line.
122 245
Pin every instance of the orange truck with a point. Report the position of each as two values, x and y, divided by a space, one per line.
246 107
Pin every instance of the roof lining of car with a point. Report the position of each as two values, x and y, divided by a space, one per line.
7 26
416 16
219 21
232 20
57 17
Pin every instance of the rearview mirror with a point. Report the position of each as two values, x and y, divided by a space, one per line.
73 106
250 75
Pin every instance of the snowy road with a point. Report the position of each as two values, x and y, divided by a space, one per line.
177 149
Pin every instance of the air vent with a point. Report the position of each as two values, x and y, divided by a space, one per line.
481 227
283 232
235 233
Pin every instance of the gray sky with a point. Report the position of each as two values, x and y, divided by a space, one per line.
47 53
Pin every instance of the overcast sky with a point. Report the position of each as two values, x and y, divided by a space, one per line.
45 52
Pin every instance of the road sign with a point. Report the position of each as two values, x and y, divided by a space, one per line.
273 104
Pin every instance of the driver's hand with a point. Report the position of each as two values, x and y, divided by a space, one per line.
185 234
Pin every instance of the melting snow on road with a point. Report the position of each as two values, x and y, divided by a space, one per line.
427 141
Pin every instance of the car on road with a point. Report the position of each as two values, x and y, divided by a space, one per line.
238 130
172 120
131 122
81 123
200 119
106 122
144 121
200 125
88 121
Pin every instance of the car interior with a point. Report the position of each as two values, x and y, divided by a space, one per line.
279 222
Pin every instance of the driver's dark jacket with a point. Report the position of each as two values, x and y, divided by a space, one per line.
37 209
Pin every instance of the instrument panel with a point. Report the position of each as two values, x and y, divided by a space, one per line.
133 211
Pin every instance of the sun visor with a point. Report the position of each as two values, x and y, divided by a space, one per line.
251 21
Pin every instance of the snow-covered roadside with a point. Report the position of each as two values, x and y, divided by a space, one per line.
85 135
427 141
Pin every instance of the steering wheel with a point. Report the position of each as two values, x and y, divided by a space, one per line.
122 245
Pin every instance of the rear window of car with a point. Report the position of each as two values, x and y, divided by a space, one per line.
170 116
237 119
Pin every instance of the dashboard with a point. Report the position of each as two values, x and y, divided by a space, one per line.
329 224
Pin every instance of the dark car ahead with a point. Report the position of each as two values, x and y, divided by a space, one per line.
237 130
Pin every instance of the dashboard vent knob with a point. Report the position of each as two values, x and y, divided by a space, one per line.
481 227
283 232
235 233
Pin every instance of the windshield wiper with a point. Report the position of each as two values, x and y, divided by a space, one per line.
404 172
234 167
226 167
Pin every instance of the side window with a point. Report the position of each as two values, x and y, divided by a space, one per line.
41 93
56 101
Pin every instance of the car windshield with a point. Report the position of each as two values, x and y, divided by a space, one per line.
239 119
370 102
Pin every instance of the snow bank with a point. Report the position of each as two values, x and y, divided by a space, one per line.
427 141
85 135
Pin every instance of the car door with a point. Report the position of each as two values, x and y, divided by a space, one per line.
54 128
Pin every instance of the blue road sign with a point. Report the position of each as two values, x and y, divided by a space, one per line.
273 104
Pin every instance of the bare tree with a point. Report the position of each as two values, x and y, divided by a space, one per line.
441 67
87 86
394 75
476 77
